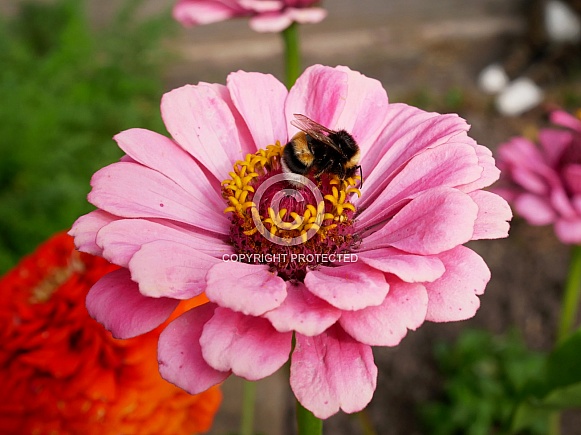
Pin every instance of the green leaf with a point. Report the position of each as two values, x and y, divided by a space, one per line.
485 381
526 414
557 386
564 363
565 397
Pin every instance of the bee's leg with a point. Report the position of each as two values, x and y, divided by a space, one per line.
343 173
329 164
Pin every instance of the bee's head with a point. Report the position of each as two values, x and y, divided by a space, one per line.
346 144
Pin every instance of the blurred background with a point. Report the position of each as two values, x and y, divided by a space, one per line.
74 73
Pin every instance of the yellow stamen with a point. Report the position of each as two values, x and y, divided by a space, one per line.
312 209
313 225
354 190
239 191
242 195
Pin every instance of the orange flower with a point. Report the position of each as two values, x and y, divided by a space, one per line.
61 372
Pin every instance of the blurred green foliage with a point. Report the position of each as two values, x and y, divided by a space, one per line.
485 379
558 386
65 89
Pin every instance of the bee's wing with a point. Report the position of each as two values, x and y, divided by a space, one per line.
305 123
315 130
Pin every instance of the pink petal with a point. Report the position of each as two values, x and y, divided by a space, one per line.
455 295
340 98
194 12
202 122
387 324
576 203
249 346
261 6
168 269
245 288
572 177
319 93
269 22
490 173
537 210
508 193
493 216
554 143
351 287
521 152
435 221
123 238
569 230
561 201
447 165
408 131
365 105
85 230
303 312
529 180
407 267
180 354
133 191
307 15
526 166
565 119
166 157
260 100
115 302
332 371
246 141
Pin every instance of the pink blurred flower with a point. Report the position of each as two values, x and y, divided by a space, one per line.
161 216
544 183
265 15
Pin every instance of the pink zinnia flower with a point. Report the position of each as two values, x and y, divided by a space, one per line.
544 183
176 213
265 15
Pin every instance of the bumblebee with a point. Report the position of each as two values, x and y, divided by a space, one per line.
318 150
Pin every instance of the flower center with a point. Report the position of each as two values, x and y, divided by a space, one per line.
288 221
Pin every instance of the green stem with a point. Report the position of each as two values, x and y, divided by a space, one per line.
571 296
292 54
308 424
248 401
555 423
569 308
